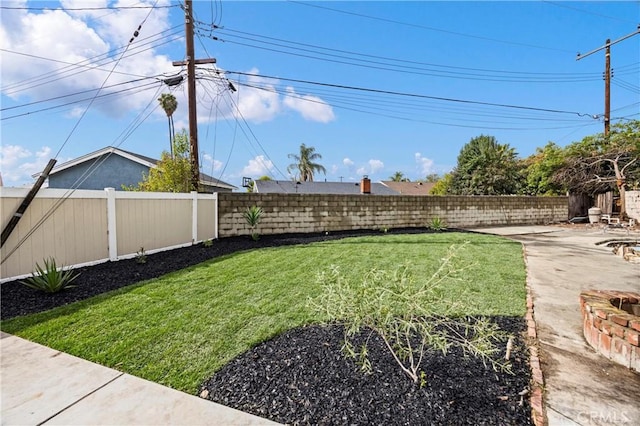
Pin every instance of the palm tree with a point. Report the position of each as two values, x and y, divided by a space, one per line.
304 164
169 104
398 177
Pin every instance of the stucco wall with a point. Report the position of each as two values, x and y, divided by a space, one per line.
113 172
293 213
632 203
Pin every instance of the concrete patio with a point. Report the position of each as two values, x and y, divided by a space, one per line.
581 387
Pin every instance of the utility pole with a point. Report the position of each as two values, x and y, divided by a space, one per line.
607 87
607 76
191 92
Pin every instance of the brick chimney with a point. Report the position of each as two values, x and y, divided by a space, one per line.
365 185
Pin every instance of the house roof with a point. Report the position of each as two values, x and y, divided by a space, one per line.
141 159
410 188
210 180
292 187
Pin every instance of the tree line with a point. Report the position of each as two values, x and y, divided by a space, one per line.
596 164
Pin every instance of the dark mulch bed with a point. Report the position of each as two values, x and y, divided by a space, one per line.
18 300
301 377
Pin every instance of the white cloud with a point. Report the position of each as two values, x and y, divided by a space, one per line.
262 102
347 162
425 164
208 161
55 53
17 163
255 104
11 154
376 166
258 166
311 107
373 166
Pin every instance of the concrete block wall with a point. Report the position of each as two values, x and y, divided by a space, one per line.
632 202
303 213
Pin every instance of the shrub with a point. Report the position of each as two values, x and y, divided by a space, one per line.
410 317
437 224
50 279
207 243
141 256
252 216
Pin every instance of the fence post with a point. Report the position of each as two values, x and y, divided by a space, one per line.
194 217
112 240
215 215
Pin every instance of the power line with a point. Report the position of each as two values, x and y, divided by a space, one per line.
375 65
627 86
89 99
566 6
394 115
60 74
88 8
235 107
229 86
370 102
392 21
413 95
73 94
500 75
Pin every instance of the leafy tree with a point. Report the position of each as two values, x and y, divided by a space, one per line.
486 167
600 163
251 186
304 165
398 177
171 174
169 104
539 169
432 178
442 186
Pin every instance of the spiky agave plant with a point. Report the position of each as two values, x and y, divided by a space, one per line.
50 279
252 216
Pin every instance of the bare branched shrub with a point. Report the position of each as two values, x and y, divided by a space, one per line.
410 317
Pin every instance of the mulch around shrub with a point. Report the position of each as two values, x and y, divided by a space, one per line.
302 378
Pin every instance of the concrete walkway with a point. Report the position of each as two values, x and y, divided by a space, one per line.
44 386
582 387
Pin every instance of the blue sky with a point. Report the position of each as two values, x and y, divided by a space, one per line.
375 87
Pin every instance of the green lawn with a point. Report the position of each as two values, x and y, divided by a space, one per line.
179 329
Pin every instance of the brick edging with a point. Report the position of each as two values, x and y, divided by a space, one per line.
538 414
610 331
